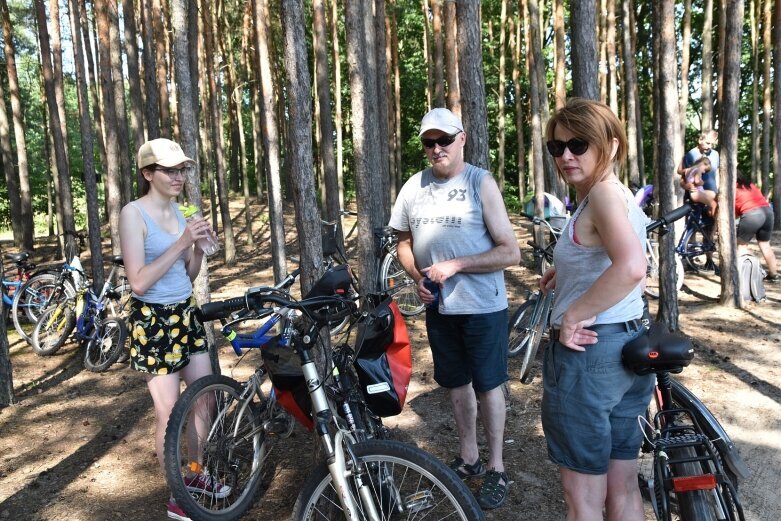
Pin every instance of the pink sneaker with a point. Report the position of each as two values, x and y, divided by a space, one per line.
175 512
203 483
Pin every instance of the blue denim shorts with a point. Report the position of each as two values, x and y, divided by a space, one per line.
468 348
590 404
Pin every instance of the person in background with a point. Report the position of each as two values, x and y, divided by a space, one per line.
162 254
694 185
455 238
707 196
590 400
756 221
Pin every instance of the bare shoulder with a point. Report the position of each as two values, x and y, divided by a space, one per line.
607 192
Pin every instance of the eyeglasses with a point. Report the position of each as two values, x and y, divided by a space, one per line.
442 141
575 145
175 172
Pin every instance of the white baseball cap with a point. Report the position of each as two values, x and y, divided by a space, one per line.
441 119
163 152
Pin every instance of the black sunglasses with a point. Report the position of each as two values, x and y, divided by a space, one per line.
575 145
443 141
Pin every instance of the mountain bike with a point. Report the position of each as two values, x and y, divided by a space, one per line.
542 257
391 274
24 270
696 243
48 286
529 324
95 318
688 463
362 477
661 227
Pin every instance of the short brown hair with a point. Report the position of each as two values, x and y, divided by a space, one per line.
592 121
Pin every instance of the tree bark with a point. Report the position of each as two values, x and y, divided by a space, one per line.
767 24
133 75
777 126
756 133
583 35
451 57
537 129
332 205
519 106
6 369
87 150
301 162
118 84
377 29
398 165
500 124
667 157
560 38
439 56
707 67
686 31
633 126
728 154
612 58
472 84
161 70
17 113
150 70
113 168
270 143
63 171
428 55
337 57
11 178
55 38
89 38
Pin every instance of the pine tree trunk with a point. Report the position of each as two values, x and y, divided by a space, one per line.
451 57
55 38
133 75
537 130
87 149
11 178
756 133
519 105
472 84
669 123
630 92
150 70
118 84
6 369
17 113
270 142
161 69
428 55
767 111
686 30
383 102
583 35
398 172
99 136
560 39
336 58
301 161
612 58
113 169
777 126
728 153
707 67
439 58
500 130
63 172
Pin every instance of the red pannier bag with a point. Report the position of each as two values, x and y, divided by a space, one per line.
384 359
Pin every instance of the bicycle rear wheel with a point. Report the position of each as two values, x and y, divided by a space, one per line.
215 433
105 347
393 275
695 250
33 297
403 482
520 327
53 328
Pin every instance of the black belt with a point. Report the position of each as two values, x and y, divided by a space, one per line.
617 327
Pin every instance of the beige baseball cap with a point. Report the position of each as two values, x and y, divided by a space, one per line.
441 119
163 152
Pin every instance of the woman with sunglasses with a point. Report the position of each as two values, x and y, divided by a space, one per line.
162 254
590 401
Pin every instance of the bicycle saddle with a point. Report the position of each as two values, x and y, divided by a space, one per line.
657 351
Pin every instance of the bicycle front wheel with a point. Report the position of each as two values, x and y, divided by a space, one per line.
215 446
401 480
393 275
53 328
32 298
105 347
696 247
520 327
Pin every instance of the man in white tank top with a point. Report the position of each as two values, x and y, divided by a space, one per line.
454 234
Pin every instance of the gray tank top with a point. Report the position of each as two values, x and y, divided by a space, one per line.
446 221
578 266
175 285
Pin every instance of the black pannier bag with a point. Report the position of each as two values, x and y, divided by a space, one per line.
284 368
384 358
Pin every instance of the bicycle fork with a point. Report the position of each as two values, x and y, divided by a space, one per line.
335 448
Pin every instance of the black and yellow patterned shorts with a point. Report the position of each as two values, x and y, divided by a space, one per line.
164 336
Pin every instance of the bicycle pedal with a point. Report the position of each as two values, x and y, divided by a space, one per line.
419 501
277 425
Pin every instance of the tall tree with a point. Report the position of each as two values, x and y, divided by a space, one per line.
451 57
686 30
337 68
728 153
133 74
270 142
397 143
612 58
472 83
560 39
87 150
428 55
150 73
161 69
6 369
667 156
776 120
63 171
585 59
767 111
707 66
377 29
113 151
17 113
120 112
500 131
439 53
98 135
55 38
633 126
529 8
301 162
11 178
520 108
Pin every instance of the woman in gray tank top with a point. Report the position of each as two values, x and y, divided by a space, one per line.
590 401
162 254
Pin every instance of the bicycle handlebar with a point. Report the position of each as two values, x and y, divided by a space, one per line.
664 221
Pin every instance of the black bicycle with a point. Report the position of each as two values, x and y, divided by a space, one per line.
688 463
696 244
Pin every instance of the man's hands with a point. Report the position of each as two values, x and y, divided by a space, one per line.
437 273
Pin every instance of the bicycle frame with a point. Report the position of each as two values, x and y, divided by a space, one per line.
694 223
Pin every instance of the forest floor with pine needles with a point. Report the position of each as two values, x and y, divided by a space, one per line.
79 445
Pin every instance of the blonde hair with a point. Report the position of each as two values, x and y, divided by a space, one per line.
592 121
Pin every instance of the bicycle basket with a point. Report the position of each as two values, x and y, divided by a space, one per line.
384 358
657 351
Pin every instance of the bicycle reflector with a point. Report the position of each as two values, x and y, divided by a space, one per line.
691 483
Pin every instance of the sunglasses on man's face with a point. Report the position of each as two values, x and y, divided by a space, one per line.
577 146
443 141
